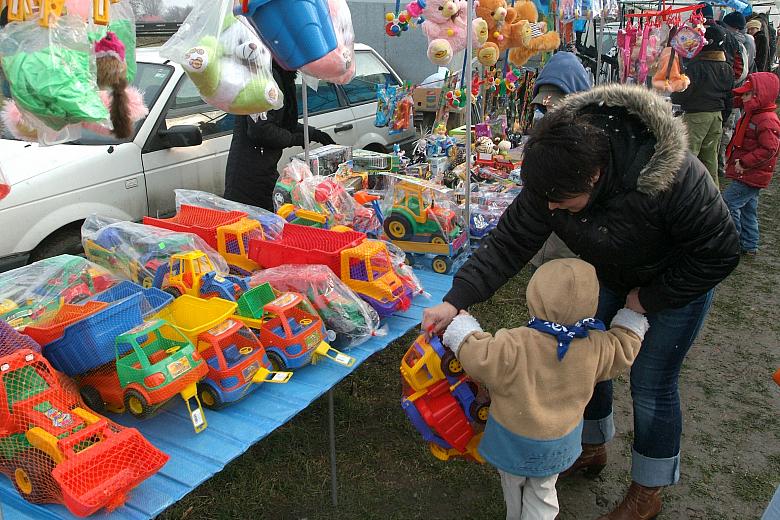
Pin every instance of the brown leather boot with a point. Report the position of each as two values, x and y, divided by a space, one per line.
592 460
641 503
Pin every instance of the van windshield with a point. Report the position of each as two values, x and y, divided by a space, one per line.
150 79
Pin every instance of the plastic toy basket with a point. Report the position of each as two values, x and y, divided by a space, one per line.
53 329
153 299
251 303
201 221
296 32
89 343
305 245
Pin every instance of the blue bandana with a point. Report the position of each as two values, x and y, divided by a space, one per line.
565 333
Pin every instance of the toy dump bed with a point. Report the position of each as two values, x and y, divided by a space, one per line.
194 315
152 299
305 245
199 221
52 329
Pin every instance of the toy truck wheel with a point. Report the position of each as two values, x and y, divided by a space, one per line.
173 291
276 361
209 397
450 364
441 264
92 399
398 227
136 404
32 477
479 412
281 197
438 239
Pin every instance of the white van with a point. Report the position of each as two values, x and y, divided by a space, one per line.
183 143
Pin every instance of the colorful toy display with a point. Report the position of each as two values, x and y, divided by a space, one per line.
289 328
443 404
53 448
351 318
237 363
225 59
446 28
324 161
193 273
154 363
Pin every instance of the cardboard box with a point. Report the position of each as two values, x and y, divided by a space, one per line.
426 99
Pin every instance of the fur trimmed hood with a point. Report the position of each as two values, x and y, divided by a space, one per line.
656 113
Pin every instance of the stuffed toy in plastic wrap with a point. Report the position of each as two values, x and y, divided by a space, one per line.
225 59
505 30
338 66
445 26
541 40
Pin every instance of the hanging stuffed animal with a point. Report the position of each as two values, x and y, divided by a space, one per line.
540 41
112 75
445 26
669 77
505 30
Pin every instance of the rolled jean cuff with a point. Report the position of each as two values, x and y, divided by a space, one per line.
598 431
649 472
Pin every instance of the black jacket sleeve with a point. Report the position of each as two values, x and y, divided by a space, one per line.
691 93
520 233
268 133
700 225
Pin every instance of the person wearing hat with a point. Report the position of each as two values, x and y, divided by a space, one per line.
561 76
736 24
706 98
756 30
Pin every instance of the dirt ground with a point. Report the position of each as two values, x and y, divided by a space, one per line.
730 448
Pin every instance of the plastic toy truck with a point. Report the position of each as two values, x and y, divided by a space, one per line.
441 401
289 328
154 362
237 363
418 226
57 451
364 266
193 273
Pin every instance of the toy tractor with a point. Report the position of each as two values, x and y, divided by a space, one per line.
193 273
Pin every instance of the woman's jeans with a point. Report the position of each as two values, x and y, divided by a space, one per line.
742 201
654 390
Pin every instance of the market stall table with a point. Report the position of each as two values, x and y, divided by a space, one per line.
232 430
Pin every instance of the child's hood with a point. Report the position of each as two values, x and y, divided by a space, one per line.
563 291
766 86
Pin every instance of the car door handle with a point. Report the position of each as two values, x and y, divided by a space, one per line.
343 128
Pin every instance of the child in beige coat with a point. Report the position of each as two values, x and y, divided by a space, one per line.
541 377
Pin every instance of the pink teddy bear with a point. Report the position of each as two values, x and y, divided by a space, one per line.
445 27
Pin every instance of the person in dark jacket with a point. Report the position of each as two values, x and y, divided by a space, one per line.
763 59
258 144
706 98
752 154
609 172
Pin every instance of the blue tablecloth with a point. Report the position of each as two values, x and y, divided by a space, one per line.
231 431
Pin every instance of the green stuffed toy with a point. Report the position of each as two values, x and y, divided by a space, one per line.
233 72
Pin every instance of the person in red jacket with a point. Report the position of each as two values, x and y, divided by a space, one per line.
752 154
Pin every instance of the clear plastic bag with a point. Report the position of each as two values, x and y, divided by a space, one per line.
135 251
272 223
351 318
403 114
122 23
5 186
405 271
384 105
51 72
338 66
225 59
35 292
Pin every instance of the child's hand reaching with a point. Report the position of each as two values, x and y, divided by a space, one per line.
738 167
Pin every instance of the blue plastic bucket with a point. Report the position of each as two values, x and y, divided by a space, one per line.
296 32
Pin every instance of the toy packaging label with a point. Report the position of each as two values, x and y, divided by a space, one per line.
197 418
279 376
343 359
178 367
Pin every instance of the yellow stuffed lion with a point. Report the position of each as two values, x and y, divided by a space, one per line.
515 28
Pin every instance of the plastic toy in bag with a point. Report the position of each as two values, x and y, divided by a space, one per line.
225 59
352 319
138 252
53 447
272 224
688 42
292 174
405 271
36 292
51 72
403 114
385 100
338 66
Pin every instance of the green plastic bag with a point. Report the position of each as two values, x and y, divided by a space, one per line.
52 72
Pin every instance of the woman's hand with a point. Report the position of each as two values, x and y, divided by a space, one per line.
633 303
436 319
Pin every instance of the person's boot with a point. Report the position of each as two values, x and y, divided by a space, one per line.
640 503
592 461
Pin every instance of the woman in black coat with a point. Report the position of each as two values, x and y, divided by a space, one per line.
609 172
258 144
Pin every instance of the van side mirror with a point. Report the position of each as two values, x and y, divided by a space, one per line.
181 136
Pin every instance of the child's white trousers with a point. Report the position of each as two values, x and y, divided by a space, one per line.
529 498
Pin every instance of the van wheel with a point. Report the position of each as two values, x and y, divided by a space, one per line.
65 241
376 147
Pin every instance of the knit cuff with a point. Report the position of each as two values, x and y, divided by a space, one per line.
459 329
633 321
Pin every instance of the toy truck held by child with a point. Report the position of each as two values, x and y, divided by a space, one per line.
441 401
364 266
290 330
55 450
154 363
193 273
